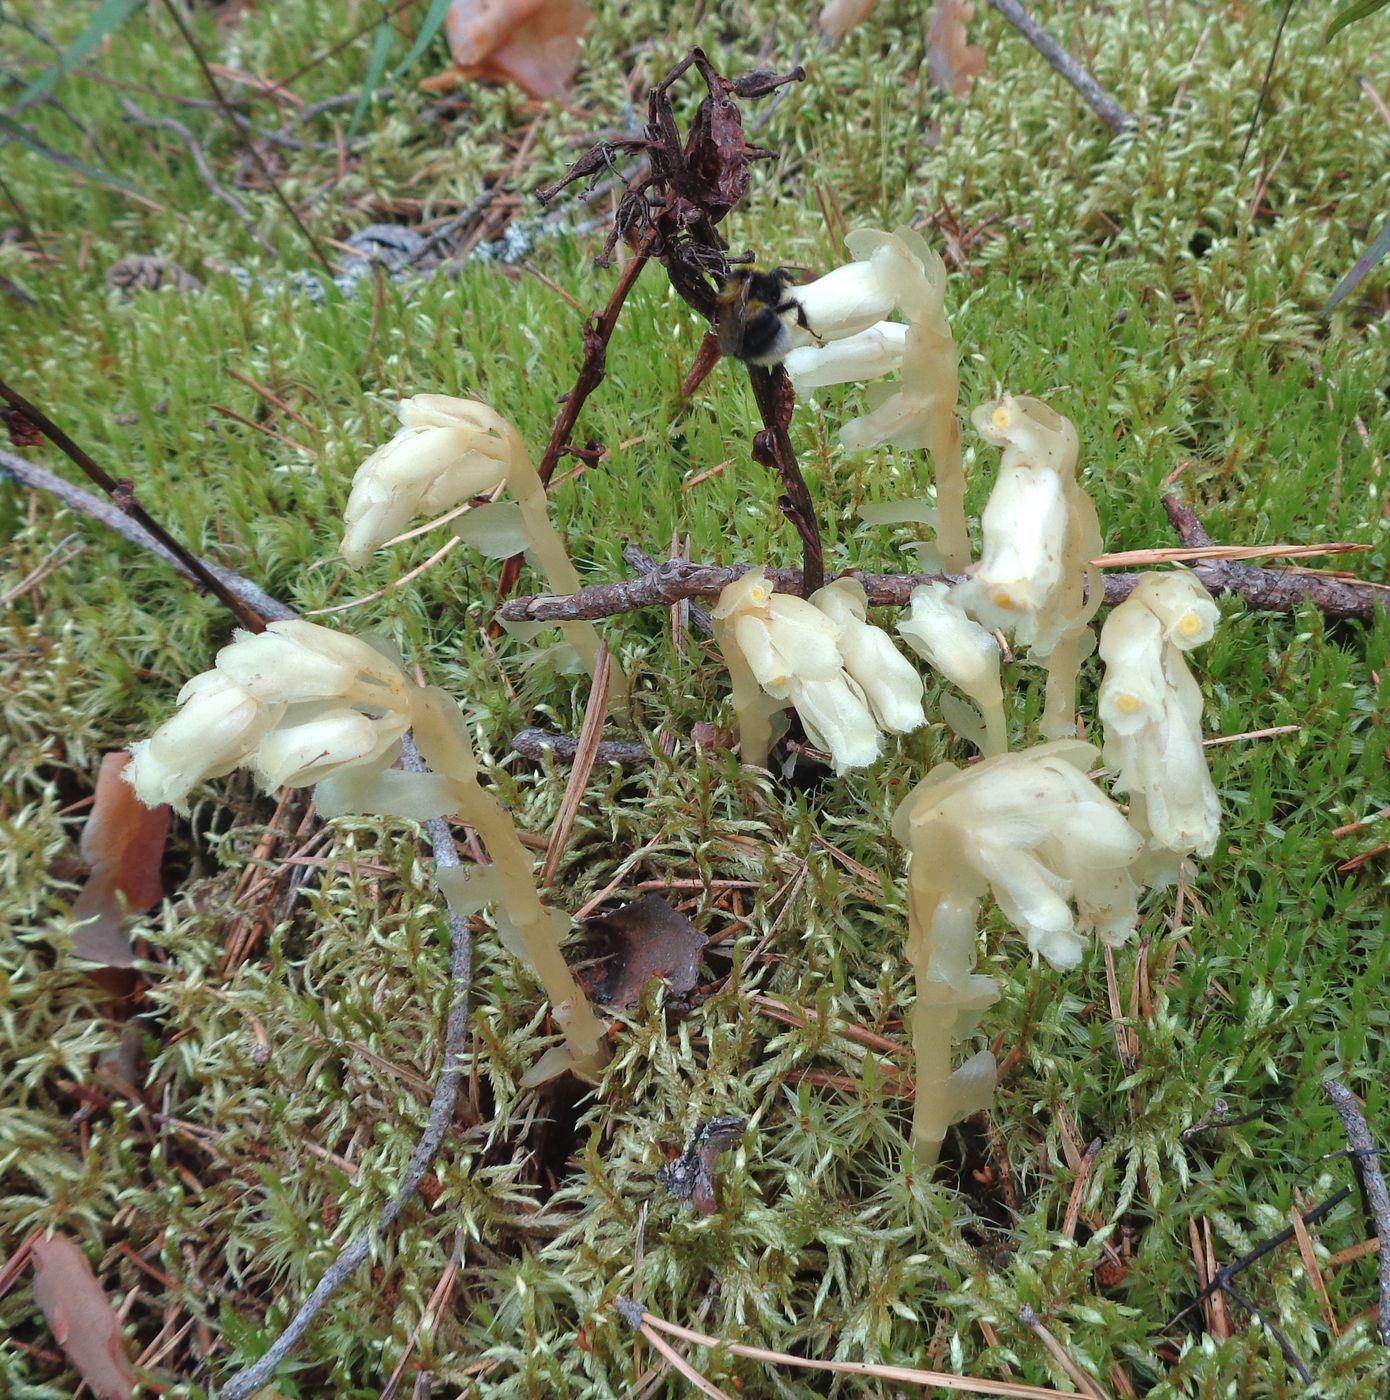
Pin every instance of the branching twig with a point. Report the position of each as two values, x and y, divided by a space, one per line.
225 108
1265 590
536 743
126 505
441 1116
1364 1152
1094 96
140 117
773 448
643 562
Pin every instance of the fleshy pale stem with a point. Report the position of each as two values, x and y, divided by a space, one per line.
547 549
443 740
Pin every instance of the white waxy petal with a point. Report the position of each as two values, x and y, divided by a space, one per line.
838 720
845 301
1131 645
890 683
216 728
295 660
867 354
1187 612
939 630
301 754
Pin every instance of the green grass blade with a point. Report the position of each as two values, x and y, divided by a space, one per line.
110 14
381 48
1357 10
25 137
1364 264
429 28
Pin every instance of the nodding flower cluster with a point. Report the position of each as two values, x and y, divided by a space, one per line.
844 677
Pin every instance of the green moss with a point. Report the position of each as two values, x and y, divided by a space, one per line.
1159 296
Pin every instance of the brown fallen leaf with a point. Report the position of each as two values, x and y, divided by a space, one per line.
840 16
532 43
81 1317
953 62
644 939
123 843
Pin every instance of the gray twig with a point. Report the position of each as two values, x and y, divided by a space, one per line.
105 513
1265 590
140 117
1094 96
643 562
1364 1153
536 743
441 1116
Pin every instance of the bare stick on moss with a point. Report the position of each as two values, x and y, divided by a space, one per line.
123 494
598 331
1262 590
1364 1153
441 1115
1094 96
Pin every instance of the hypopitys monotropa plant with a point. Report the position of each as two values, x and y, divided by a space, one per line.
1034 830
818 655
304 706
448 451
1151 712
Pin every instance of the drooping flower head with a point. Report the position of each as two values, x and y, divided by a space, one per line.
1151 710
1034 829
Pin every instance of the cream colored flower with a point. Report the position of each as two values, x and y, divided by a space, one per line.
216 729
447 450
886 276
296 702
887 679
938 629
1031 827
788 649
1151 710
867 354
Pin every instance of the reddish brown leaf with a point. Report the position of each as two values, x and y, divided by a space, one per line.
81 1316
532 43
123 843
642 940
954 64
840 16
22 432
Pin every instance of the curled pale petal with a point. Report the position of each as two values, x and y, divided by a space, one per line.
838 720
298 755
749 591
938 629
890 683
216 728
1131 645
867 354
295 660
845 301
1187 612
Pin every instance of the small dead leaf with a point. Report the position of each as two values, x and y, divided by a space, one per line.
840 16
123 843
81 1317
532 43
691 1176
953 62
22 432
645 939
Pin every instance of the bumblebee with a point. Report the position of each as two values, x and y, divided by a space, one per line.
752 304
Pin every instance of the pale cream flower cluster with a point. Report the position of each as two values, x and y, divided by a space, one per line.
1151 709
847 310
296 702
843 676
447 451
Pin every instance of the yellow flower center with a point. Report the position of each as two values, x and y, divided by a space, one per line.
1190 624
1001 417
1127 704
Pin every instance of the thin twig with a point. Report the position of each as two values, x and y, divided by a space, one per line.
1263 590
535 744
225 108
1094 96
1364 1153
441 1116
598 331
643 562
1086 1384
773 447
126 505
585 754
140 117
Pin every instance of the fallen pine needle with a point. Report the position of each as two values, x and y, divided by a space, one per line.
964 1385
401 582
1131 558
1251 734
